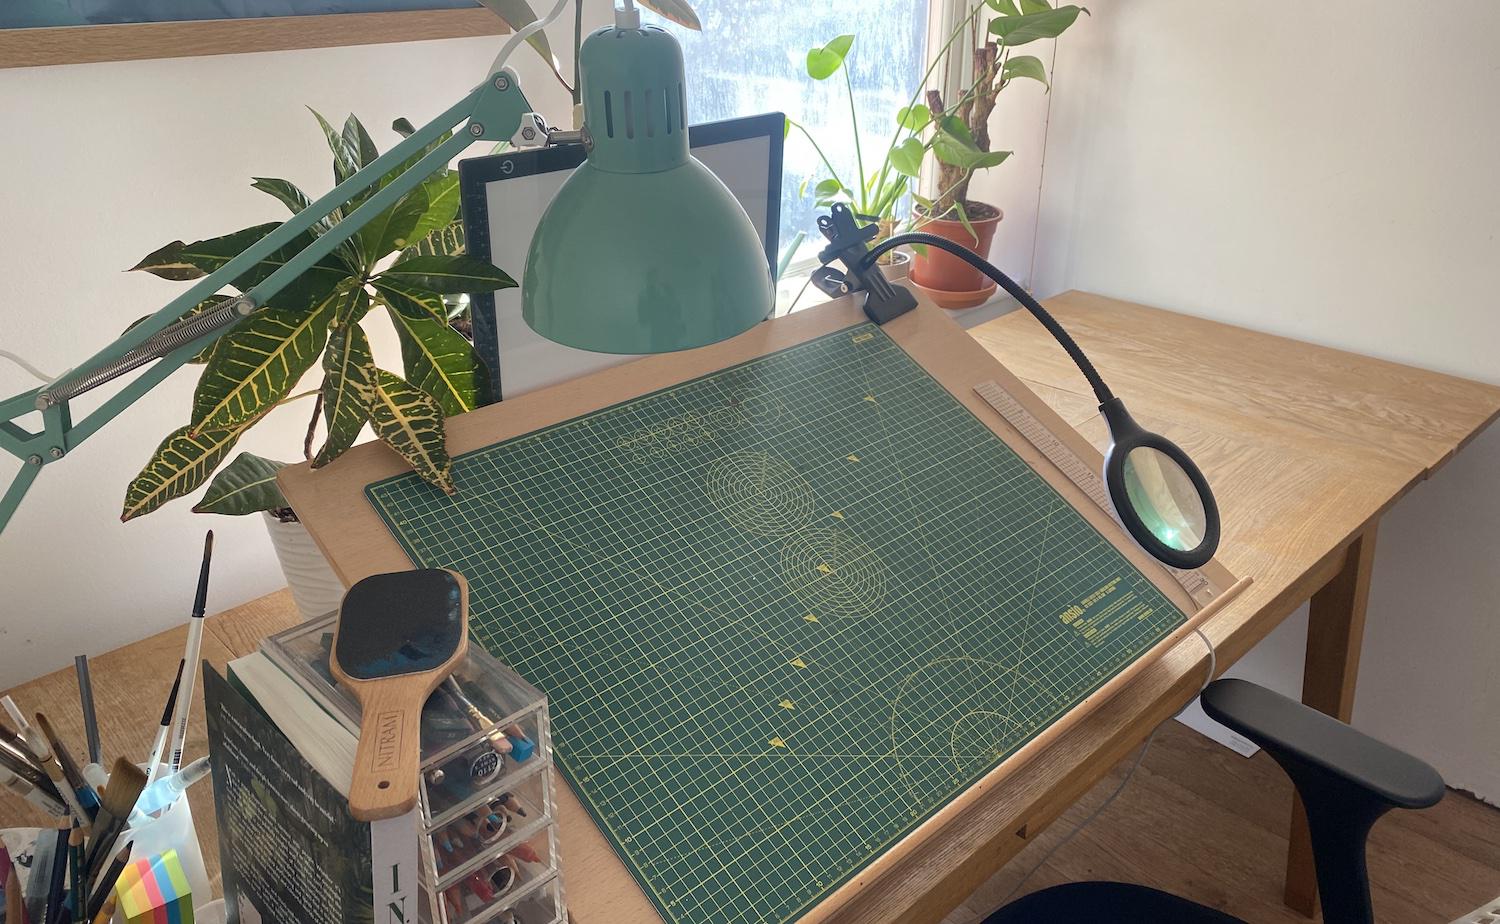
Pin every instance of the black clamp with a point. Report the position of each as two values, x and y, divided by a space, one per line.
847 243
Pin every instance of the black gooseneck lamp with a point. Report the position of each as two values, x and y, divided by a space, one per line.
1159 495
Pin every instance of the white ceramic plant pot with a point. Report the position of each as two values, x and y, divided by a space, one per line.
315 588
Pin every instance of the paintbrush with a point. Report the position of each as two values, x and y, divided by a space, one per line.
86 795
158 747
18 760
190 658
106 884
37 743
25 789
125 785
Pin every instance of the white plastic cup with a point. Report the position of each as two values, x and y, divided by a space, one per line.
173 830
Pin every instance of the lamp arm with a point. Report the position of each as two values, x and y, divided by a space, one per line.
494 111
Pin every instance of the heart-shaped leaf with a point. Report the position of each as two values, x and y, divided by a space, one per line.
246 485
182 462
451 274
678 11
442 363
914 118
518 14
410 421
906 157
411 300
1028 66
824 62
348 388
1028 27
259 362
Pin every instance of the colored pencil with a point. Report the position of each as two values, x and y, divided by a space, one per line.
59 872
108 911
86 701
106 887
190 659
15 908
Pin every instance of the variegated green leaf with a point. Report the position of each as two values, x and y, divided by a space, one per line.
413 301
358 141
348 389
404 128
288 194
345 161
213 301
442 363
259 362
447 274
391 230
449 239
442 205
679 11
410 422
246 485
182 462
179 261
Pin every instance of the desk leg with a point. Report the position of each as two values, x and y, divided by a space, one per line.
1335 631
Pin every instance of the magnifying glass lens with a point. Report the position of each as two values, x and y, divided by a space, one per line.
1165 499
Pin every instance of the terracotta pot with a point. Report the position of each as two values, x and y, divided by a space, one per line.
939 271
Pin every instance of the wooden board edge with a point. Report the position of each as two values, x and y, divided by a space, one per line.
1017 761
148 40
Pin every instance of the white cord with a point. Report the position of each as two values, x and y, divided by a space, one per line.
7 354
525 33
1213 664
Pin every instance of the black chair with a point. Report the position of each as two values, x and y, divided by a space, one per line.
1346 780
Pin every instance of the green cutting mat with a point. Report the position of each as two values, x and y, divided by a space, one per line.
783 613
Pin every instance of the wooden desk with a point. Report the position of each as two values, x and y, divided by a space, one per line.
1306 448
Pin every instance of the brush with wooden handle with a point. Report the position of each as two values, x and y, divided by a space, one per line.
398 636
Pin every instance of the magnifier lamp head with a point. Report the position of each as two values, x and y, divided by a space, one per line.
1158 493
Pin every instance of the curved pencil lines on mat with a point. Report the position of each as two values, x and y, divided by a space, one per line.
988 709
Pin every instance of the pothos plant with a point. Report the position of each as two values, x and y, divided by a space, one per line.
405 262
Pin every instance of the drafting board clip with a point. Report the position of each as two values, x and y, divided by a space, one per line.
847 244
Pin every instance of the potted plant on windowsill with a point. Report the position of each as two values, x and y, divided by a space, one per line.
409 262
960 141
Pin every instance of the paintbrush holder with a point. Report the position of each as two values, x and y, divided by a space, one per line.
173 829
488 850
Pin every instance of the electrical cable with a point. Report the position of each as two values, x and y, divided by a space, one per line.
525 33
1213 665
1080 359
33 370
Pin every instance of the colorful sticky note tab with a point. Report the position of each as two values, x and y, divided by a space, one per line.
155 890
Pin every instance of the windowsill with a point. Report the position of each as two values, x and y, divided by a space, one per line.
788 287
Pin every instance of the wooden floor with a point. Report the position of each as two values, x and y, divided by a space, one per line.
1207 824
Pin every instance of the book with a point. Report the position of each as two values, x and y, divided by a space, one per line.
291 852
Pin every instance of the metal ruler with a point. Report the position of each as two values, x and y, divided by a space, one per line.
1091 482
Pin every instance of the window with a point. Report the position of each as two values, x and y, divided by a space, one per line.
751 57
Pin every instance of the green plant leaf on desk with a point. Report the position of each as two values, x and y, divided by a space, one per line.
1028 66
182 462
181 262
288 194
447 274
442 363
410 421
448 239
348 388
393 228
258 363
246 485
358 142
441 193
410 300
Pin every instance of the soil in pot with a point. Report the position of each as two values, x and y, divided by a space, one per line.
941 271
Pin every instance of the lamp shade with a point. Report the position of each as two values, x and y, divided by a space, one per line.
643 250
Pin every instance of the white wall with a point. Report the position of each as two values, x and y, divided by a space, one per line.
103 163
1327 174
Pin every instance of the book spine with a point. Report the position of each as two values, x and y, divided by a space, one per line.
393 868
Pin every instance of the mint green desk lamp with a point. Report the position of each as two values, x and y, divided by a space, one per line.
642 251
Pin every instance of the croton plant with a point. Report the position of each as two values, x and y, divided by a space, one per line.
408 262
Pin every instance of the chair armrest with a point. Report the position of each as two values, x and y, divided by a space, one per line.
1288 729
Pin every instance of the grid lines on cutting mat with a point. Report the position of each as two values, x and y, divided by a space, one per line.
783 613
